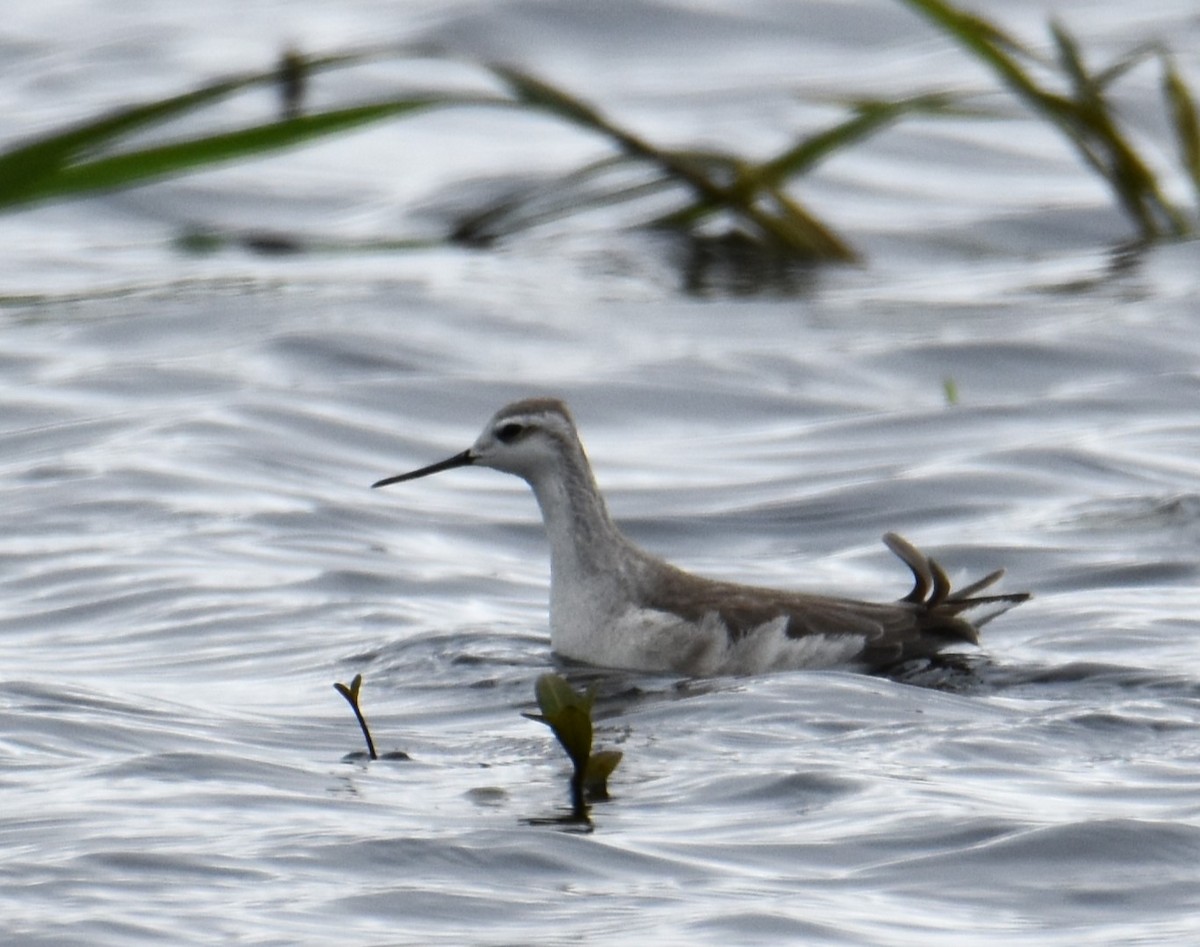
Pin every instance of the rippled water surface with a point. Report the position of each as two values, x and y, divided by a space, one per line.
192 556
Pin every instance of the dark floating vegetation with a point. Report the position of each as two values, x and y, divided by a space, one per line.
754 199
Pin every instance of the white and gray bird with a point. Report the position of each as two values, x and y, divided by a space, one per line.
614 605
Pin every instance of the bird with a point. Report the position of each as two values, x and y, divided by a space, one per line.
614 605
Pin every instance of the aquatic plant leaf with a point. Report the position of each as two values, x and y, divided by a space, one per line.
21 168
1093 123
138 167
571 193
1131 60
1071 60
985 40
782 223
600 766
541 94
569 714
1185 120
351 695
25 169
538 93
1085 117
553 694
869 117
573 727
795 225
350 692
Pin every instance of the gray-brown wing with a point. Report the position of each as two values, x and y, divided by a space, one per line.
920 624
888 632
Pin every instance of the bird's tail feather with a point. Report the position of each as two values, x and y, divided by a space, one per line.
931 585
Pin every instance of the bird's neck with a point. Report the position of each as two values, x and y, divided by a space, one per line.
585 544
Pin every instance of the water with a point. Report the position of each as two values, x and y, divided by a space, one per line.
192 555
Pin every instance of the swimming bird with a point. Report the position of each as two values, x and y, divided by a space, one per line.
612 604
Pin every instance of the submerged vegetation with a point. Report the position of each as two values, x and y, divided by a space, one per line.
753 198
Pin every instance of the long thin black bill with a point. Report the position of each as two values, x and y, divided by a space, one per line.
458 460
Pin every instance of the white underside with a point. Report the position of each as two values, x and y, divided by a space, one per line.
656 641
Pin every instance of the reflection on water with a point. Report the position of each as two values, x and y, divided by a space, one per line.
736 265
192 554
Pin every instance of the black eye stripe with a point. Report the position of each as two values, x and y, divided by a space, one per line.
510 432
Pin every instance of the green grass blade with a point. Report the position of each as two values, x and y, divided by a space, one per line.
869 118
999 52
138 167
1131 60
25 168
1071 60
1099 134
986 41
1085 118
572 193
992 47
793 227
537 93
1091 122
798 233
1185 119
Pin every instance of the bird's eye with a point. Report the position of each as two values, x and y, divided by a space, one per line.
510 432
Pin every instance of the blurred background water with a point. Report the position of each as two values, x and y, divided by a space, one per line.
191 554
